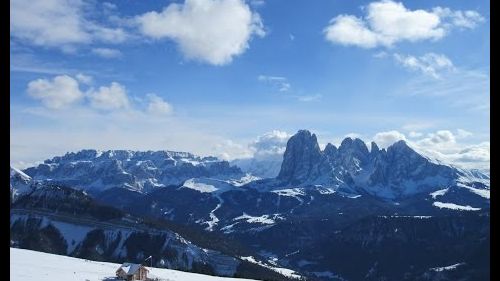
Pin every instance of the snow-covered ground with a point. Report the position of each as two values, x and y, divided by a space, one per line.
454 206
447 268
437 193
27 265
199 186
264 219
284 271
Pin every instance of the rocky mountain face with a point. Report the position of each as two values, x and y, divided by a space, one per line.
138 171
395 173
342 213
302 159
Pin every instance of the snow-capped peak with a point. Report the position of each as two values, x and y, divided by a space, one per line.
399 171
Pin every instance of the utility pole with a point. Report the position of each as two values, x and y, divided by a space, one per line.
151 258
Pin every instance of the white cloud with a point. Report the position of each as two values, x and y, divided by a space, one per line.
279 82
440 137
107 52
353 135
270 144
61 92
158 106
108 35
228 150
85 79
48 23
109 98
349 30
385 139
211 31
442 145
464 19
60 24
474 155
387 22
429 64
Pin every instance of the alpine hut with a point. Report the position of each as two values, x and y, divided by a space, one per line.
132 271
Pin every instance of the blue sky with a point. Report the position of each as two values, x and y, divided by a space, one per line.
216 77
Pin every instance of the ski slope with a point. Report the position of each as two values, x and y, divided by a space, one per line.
27 265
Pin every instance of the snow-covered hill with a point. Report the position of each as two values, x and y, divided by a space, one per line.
27 265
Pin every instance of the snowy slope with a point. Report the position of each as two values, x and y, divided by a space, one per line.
20 183
27 265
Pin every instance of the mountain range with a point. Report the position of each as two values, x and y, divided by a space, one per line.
341 213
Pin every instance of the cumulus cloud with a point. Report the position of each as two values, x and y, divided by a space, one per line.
228 149
387 22
429 64
385 139
268 147
442 136
278 82
475 154
109 98
442 145
443 141
270 144
107 52
465 156
158 106
61 92
59 23
350 30
211 31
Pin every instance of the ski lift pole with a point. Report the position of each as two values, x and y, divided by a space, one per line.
150 258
